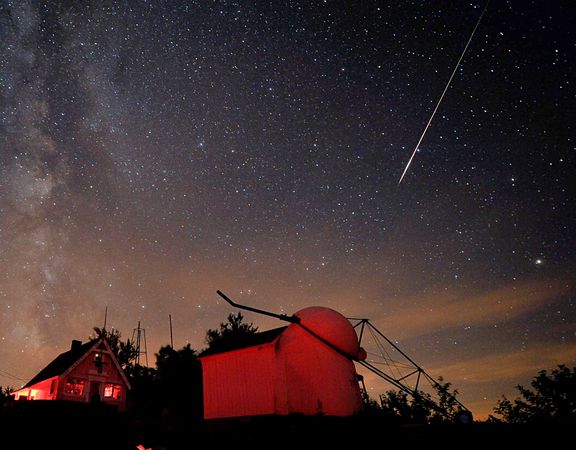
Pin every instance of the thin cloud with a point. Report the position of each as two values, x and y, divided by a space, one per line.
444 311
511 366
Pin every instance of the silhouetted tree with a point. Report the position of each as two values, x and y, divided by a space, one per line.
179 377
5 393
232 334
144 397
406 408
551 399
368 403
397 404
171 364
422 407
447 404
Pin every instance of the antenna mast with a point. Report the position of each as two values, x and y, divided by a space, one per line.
139 336
105 318
171 337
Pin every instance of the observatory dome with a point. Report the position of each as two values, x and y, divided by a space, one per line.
331 326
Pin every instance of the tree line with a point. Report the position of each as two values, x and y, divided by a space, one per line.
174 386
550 399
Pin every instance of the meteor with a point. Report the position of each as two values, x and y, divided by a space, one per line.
443 93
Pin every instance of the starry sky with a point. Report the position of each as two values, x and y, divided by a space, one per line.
152 152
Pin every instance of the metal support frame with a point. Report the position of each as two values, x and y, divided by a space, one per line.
398 382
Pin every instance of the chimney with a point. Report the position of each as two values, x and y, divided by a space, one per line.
75 345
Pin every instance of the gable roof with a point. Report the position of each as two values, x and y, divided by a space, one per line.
245 341
61 363
67 361
102 342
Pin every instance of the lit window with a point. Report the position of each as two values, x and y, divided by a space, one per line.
99 361
113 391
74 387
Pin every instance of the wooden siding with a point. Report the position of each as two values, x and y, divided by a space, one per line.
239 383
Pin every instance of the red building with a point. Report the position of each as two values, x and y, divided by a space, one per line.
85 373
304 368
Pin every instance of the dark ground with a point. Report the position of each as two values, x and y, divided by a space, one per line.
56 426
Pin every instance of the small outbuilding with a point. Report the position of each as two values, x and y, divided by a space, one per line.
305 368
86 373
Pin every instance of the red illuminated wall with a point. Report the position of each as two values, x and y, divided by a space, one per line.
44 390
240 384
318 379
295 373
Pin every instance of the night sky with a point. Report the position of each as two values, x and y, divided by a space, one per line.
152 152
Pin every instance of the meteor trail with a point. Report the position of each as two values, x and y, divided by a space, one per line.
443 93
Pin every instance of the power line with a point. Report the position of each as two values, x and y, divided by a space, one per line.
10 375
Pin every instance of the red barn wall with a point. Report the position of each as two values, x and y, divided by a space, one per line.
239 383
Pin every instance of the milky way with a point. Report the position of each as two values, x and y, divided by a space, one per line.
154 152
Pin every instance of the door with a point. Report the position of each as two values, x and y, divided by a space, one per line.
95 396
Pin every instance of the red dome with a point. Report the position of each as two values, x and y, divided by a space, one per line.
331 326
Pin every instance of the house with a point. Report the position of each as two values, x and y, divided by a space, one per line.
305 368
86 373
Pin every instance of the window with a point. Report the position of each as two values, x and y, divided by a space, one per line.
113 391
74 387
99 361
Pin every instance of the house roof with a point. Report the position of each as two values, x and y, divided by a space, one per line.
245 341
61 363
